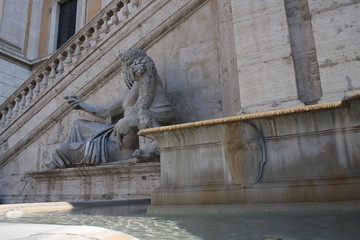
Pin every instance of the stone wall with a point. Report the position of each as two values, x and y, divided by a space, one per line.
11 77
336 29
291 53
264 58
124 181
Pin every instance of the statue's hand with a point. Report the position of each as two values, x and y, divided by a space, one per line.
122 127
74 101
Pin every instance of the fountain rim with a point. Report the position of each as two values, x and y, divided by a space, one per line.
345 102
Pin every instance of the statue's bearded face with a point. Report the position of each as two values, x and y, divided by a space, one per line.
131 71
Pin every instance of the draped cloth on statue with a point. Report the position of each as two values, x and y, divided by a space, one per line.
89 143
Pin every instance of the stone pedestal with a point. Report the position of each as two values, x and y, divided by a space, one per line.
108 182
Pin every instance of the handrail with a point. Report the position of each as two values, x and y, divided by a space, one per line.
67 57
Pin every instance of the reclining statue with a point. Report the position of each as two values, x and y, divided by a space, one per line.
144 106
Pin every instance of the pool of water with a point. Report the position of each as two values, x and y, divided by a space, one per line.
135 221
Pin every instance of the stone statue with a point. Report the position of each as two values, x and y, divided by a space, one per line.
245 153
144 106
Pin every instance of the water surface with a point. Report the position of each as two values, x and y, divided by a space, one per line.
133 220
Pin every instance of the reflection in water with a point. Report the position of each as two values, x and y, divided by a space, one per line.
133 220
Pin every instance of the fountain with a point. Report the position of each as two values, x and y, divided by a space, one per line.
296 158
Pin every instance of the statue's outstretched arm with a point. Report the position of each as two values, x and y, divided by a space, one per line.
99 111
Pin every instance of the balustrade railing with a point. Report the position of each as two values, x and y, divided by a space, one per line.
65 58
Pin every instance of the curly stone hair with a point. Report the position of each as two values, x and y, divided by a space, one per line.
132 54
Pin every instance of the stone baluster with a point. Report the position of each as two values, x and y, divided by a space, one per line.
30 94
87 41
17 105
23 99
3 118
9 113
115 18
53 70
68 61
60 67
125 8
45 80
77 51
96 35
37 85
105 25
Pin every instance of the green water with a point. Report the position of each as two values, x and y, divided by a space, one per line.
133 220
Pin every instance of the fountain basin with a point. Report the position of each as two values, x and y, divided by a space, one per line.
307 154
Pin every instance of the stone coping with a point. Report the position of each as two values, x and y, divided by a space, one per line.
346 101
120 167
21 208
20 231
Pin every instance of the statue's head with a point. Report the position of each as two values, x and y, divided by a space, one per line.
132 54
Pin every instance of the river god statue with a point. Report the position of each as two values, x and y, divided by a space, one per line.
144 106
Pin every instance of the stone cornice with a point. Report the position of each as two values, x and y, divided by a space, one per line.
135 168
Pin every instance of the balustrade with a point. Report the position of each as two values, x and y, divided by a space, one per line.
80 45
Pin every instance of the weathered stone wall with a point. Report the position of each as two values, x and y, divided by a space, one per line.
336 29
264 63
11 77
124 181
188 61
292 51
13 69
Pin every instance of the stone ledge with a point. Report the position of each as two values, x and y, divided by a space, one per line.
259 115
253 208
64 206
100 170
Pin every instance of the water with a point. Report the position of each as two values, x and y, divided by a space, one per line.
133 220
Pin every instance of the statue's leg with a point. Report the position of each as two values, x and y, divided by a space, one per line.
130 142
67 155
83 129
